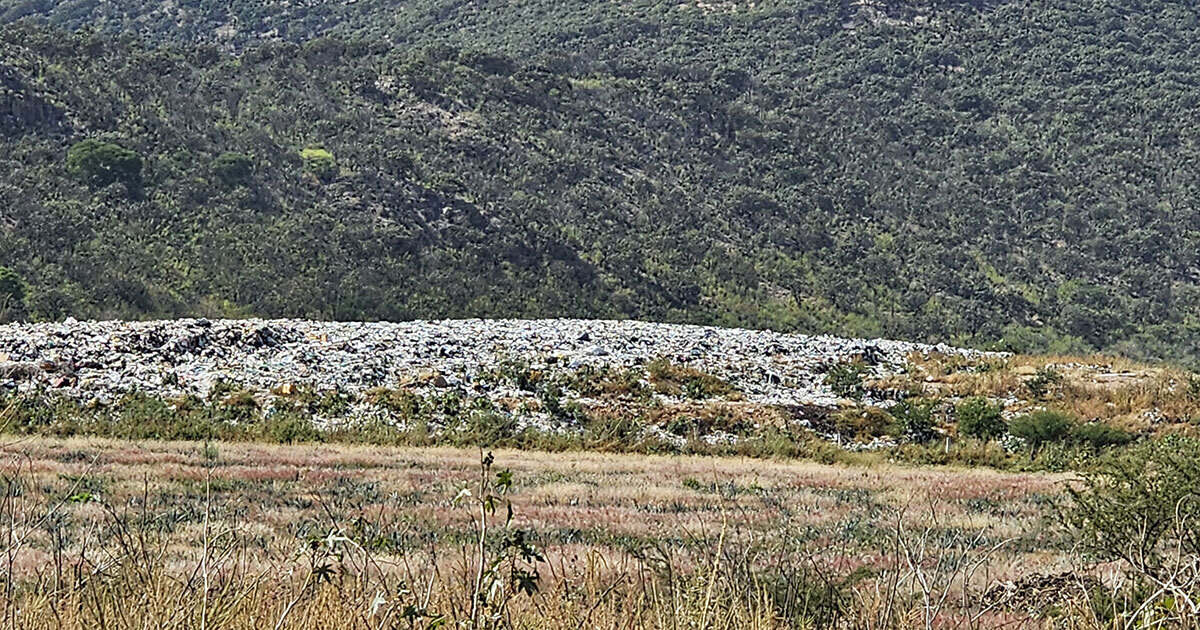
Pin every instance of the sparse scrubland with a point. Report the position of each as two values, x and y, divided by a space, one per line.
372 526
117 534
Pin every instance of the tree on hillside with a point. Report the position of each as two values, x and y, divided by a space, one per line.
319 163
12 294
98 163
233 169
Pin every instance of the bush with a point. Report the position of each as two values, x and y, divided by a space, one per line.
980 419
1140 505
681 380
1042 381
860 422
319 163
98 164
288 428
914 420
233 169
846 380
1099 435
1042 427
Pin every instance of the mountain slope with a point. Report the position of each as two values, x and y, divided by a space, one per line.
1022 173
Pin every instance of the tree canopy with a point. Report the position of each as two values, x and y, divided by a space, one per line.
100 163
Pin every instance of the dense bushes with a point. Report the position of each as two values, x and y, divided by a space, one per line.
1142 505
590 166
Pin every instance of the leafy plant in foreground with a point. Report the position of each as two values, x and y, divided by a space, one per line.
505 572
1141 506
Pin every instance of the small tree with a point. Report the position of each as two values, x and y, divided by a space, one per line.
12 292
846 380
1042 427
98 164
319 163
980 419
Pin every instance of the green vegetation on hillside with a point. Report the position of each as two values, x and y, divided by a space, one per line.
1017 175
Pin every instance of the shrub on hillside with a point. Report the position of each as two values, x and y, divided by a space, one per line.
980 419
98 163
1042 427
12 293
319 163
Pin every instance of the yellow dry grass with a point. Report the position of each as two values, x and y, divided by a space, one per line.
1118 391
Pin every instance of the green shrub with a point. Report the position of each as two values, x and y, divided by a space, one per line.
1140 505
1099 435
233 169
980 419
1042 381
551 399
1042 427
98 164
12 287
319 163
914 420
846 380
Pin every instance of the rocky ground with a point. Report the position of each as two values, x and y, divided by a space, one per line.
96 362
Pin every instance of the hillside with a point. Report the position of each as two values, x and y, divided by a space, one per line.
1005 175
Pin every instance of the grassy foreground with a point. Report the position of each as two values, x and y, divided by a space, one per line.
114 534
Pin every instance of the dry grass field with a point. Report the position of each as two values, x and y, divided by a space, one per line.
116 534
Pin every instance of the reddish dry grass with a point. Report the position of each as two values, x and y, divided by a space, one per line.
597 516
